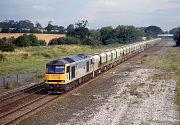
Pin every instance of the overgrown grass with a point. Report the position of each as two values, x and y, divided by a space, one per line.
30 59
167 59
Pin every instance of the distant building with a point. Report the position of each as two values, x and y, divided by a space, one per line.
11 29
144 38
25 29
41 30
165 35
54 31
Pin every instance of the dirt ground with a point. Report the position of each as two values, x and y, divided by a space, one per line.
126 95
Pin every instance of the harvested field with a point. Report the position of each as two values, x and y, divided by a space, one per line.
46 37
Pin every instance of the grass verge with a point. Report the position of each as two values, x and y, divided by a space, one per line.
33 59
168 58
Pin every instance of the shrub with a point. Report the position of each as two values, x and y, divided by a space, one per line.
35 41
23 41
72 40
7 47
57 41
90 41
67 40
28 40
177 37
1 57
110 41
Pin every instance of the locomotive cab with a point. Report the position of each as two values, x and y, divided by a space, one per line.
55 76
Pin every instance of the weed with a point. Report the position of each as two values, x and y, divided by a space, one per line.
168 60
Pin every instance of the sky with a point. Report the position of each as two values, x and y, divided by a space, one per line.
99 13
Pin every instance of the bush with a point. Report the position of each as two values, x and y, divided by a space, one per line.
57 41
7 47
110 41
67 40
72 40
23 41
35 41
177 37
90 41
28 40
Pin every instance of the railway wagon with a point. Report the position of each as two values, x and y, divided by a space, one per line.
65 73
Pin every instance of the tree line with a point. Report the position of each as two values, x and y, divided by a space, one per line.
79 33
26 26
123 34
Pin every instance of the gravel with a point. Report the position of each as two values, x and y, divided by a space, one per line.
136 100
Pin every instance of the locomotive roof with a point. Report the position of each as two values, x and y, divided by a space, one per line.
69 59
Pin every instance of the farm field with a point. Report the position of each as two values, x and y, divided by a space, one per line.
46 37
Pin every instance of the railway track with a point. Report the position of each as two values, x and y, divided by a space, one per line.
14 94
18 113
8 102
13 102
22 111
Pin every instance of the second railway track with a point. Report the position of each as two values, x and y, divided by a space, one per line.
17 93
19 112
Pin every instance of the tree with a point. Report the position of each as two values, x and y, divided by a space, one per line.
153 31
177 37
81 30
49 27
24 24
95 34
174 30
70 30
81 23
38 25
61 30
106 33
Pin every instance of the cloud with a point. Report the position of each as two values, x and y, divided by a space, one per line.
164 13
42 8
128 12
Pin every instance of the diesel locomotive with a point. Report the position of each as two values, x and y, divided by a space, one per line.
67 72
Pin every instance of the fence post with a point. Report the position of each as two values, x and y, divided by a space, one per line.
37 75
17 78
4 81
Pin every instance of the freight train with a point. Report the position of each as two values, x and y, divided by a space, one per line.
65 73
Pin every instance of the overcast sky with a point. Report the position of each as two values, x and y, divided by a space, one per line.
99 13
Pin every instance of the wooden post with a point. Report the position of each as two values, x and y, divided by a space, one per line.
17 78
4 82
